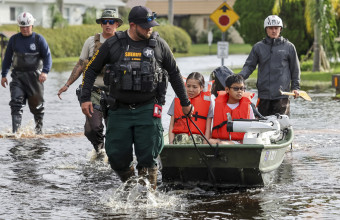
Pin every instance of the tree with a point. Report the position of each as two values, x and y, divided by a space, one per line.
57 18
321 23
294 26
250 25
89 16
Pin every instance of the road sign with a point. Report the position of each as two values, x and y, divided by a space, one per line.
224 17
210 37
222 49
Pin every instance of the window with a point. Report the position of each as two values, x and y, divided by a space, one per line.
205 23
14 12
66 14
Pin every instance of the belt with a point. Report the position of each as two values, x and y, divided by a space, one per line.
134 105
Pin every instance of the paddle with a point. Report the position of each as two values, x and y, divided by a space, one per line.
303 94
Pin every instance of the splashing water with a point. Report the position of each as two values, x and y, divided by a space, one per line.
25 131
137 193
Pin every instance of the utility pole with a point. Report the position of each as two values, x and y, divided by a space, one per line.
171 12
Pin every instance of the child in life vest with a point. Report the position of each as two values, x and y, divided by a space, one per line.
203 108
237 102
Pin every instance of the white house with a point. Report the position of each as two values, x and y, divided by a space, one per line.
72 10
198 12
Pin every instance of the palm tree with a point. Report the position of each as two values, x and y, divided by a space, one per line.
320 20
57 17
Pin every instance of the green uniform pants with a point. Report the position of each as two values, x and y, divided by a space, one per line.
127 127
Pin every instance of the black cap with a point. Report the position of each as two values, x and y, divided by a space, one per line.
143 16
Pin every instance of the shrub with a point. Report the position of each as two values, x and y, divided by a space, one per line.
306 65
68 41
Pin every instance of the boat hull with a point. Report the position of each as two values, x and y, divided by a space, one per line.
236 164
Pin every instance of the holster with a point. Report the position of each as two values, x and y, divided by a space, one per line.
78 93
107 102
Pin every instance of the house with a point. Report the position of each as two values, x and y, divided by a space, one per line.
40 9
197 11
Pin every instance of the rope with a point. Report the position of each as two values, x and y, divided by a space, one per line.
201 155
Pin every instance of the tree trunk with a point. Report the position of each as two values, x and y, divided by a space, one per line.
316 61
324 61
60 4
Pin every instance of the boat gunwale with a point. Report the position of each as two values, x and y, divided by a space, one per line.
283 143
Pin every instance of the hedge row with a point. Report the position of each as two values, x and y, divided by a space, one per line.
68 41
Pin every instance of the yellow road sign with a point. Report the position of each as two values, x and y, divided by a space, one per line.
224 16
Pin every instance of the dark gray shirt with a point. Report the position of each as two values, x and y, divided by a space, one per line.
278 67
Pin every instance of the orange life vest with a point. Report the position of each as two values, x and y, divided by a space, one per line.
220 115
201 105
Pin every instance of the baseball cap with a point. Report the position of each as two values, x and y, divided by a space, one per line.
143 16
110 14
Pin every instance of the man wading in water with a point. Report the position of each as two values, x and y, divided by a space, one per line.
94 126
30 57
139 62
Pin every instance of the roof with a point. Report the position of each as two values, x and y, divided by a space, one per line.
7 34
68 2
181 7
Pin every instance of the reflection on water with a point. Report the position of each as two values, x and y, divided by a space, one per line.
56 175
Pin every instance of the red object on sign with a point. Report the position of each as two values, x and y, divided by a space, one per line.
223 20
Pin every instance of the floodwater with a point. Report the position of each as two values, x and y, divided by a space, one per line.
55 176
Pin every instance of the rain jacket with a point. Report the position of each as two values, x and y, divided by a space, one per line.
278 68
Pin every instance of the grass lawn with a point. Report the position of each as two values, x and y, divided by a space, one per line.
309 80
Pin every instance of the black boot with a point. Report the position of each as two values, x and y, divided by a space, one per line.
16 122
38 123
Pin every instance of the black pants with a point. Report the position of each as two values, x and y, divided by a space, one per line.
26 86
270 107
94 129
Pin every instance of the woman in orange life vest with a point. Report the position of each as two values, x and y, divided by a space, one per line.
233 100
204 110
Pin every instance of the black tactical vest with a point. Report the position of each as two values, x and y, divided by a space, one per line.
136 76
136 69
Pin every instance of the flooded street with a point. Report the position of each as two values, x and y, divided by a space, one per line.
55 176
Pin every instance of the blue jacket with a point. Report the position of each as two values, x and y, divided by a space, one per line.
27 45
278 68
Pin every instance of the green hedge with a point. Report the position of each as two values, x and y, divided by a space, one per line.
68 41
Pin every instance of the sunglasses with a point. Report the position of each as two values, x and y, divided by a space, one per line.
238 88
108 21
152 17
